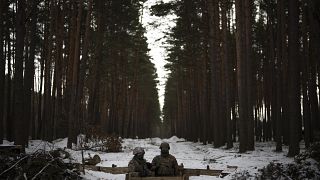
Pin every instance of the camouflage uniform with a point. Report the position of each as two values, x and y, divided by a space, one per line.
138 165
165 164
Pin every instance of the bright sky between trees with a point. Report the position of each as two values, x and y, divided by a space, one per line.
156 40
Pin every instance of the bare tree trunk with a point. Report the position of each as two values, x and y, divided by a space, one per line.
2 71
294 86
47 104
84 60
58 75
213 11
74 53
18 75
227 70
314 52
29 70
94 90
241 74
249 72
280 56
203 98
284 72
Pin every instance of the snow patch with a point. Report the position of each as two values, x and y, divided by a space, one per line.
175 139
60 143
7 143
91 175
156 141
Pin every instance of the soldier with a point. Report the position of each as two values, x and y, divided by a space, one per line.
165 164
138 166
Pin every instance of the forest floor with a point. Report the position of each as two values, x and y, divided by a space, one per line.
192 155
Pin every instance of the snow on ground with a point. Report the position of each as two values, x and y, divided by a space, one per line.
192 155
6 143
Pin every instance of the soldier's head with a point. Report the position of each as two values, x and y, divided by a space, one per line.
165 147
138 152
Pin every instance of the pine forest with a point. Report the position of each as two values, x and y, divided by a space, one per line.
239 74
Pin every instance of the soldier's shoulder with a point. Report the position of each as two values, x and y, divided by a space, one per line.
131 164
157 157
172 157
131 161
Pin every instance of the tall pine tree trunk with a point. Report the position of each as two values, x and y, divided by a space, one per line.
249 72
47 103
280 56
314 52
241 74
293 73
74 62
29 70
18 75
213 11
2 71
203 98
57 122
84 60
94 90
227 70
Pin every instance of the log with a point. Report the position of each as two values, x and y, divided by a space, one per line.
111 170
185 172
156 178
198 172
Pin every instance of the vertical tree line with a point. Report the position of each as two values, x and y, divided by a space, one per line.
2 69
243 70
70 66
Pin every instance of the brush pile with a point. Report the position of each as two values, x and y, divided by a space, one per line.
98 140
39 165
306 166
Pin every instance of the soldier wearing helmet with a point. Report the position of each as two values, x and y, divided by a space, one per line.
165 164
138 165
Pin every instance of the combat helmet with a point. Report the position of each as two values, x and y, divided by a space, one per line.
138 150
165 145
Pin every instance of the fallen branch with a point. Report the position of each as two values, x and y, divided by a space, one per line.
289 178
42 170
14 165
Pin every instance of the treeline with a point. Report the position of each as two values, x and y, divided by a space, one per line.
243 70
72 66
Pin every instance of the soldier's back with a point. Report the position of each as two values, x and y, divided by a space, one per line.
137 165
165 165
